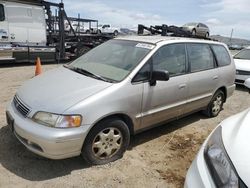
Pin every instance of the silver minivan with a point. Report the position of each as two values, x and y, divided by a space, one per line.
124 86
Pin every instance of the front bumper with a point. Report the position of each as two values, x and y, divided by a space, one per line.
240 79
48 142
198 175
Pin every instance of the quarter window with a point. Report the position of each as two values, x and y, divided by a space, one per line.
143 74
2 14
221 54
200 57
171 58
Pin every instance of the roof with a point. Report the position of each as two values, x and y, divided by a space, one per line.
154 39
148 39
33 2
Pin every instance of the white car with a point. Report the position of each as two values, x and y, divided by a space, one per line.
224 158
242 63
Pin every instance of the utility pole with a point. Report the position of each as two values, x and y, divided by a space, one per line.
230 41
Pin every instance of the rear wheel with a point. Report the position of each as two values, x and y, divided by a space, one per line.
207 35
215 105
115 32
106 142
82 50
194 32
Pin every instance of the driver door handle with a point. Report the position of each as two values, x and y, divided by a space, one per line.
182 86
215 78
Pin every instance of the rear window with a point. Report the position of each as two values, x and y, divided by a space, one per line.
221 54
2 15
200 57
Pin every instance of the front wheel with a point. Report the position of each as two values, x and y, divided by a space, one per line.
215 105
106 142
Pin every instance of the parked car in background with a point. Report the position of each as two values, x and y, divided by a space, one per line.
247 84
197 29
235 47
122 87
242 64
224 158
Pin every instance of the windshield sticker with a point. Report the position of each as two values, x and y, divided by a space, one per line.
144 45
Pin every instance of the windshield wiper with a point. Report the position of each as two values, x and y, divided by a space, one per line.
87 73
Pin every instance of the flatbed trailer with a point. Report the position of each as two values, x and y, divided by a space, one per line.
42 33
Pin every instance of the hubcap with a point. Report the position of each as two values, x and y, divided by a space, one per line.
107 143
217 104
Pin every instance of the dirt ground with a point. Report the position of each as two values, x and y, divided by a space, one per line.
158 158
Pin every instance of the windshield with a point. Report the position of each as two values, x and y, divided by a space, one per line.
112 60
244 54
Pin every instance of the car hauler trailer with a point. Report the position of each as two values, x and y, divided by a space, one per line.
29 29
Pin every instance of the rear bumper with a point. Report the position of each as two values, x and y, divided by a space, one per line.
48 142
230 90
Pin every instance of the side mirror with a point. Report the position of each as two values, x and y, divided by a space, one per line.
159 75
247 84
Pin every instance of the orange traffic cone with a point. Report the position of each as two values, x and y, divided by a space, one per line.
38 67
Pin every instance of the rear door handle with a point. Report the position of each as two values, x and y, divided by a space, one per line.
182 86
215 78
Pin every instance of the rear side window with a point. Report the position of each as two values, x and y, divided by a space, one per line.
221 54
200 57
2 15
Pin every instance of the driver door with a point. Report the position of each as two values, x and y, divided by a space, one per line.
167 99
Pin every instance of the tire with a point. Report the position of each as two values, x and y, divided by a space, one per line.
215 105
106 142
82 50
88 32
207 35
115 33
194 32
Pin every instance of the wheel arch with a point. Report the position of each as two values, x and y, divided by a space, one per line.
124 117
224 90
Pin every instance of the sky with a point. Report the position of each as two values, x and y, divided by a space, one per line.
220 15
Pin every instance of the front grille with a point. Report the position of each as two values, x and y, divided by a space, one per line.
239 81
241 72
21 107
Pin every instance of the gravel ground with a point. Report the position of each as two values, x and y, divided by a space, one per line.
159 157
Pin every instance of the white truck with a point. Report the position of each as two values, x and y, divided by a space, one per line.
108 29
23 33
28 30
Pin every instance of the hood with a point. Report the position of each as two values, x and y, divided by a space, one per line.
236 138
58 89
242 64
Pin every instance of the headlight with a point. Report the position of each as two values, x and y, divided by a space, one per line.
58 121
219 164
